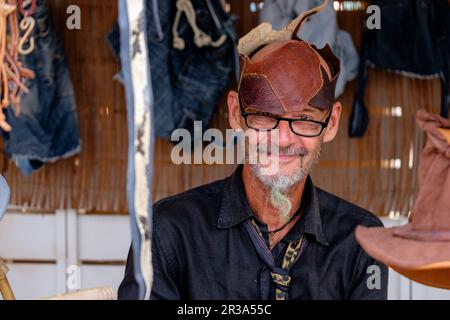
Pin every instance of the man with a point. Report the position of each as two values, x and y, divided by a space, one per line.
268 236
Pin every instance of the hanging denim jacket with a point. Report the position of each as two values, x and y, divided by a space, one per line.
46 128
414 40
4 196
187 80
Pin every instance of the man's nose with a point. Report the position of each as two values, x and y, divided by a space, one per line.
285 135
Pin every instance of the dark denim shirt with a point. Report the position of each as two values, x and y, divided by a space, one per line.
202 251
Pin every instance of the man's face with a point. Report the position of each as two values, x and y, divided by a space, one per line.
286 79
293 156
283 80
290 155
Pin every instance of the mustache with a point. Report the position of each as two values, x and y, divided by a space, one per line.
283 151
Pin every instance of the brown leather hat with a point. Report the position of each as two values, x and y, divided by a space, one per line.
420 250
280 72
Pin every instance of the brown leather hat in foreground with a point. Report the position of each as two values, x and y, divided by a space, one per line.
420 250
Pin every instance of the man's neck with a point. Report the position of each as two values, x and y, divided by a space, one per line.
258 196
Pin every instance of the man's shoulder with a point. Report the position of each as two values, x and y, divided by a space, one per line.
348 214
340 219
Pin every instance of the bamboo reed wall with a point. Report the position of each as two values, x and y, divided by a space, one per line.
376 172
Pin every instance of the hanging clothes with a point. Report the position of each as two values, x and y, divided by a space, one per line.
192 47
139 96
4 196
12 72
46 129
320 29
414 40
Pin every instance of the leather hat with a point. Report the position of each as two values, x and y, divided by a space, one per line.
280 72
420 250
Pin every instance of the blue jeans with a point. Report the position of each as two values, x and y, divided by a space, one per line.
187 84
4 196
46 129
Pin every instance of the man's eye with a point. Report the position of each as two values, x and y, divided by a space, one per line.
304 117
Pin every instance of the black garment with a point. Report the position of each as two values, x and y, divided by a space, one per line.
201 249
414 40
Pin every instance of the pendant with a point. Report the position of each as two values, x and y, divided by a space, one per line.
271 237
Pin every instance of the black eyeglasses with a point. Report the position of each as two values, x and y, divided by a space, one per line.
301 127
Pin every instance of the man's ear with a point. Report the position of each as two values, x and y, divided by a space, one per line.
234 112
333 126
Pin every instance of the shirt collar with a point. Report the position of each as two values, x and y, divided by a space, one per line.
235 208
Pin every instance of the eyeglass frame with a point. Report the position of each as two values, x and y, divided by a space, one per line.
289 120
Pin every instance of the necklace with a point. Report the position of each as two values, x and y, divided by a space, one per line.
274 232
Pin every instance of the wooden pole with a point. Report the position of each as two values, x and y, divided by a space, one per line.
445 133
5 288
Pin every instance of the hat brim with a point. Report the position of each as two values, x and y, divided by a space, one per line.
426 262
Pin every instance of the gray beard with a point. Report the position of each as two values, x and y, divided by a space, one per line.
280 184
